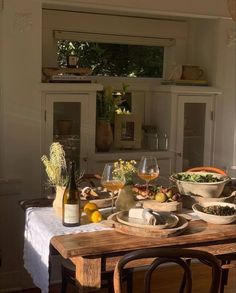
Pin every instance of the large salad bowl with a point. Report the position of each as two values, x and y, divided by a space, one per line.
205 184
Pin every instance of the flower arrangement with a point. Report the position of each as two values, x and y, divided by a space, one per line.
126 169
109 101
55 166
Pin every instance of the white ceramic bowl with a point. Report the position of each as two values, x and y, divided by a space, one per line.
206 190
214 219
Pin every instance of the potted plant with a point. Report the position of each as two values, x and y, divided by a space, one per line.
107 104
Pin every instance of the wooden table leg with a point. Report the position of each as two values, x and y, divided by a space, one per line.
88 273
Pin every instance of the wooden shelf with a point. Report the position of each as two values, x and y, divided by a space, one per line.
49 71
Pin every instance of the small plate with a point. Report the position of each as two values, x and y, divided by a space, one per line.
170 220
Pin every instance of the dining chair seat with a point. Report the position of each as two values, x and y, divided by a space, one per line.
159 256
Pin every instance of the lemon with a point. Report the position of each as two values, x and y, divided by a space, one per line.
90 207
96 217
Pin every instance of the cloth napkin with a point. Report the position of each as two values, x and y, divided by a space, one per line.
152 218
41 224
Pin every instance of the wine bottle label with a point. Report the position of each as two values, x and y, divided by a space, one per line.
71 213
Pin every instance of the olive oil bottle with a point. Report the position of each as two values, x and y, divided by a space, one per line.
71 209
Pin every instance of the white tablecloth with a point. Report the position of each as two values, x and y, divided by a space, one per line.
41 225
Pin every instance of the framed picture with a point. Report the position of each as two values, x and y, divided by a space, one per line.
127 131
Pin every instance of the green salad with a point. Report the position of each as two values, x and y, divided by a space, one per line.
203 178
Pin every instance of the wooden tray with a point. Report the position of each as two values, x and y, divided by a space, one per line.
172 206
146 232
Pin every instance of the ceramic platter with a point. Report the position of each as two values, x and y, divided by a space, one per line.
103 200
169 221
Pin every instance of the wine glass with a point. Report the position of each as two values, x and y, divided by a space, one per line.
112 179
148 169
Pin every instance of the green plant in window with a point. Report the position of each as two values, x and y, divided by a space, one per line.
109 101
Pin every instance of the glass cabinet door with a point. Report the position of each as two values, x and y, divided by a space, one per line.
66 124
66 128
194 131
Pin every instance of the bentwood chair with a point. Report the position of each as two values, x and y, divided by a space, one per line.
160 256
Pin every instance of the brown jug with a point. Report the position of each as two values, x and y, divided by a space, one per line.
104 135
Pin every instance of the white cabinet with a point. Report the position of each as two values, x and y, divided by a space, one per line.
183 113
186 114
69 117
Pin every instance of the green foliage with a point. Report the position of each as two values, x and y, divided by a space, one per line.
114 59
109 101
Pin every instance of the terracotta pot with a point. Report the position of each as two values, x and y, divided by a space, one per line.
57 203
104 135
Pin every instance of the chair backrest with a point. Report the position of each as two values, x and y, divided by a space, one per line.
169 255
208 169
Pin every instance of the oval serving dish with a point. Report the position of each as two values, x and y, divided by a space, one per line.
214 219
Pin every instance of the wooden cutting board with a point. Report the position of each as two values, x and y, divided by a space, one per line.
146 232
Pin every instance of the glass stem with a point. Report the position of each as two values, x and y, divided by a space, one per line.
147 186
112 202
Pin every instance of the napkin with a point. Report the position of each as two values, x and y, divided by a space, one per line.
152 218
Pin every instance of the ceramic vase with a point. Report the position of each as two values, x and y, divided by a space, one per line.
104 135
125 199
57 203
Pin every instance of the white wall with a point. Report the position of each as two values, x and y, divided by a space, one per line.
153 7
225 152
210 47
20 132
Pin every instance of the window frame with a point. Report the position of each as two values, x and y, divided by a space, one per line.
77 36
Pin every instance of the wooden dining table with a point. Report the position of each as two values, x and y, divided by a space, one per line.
99 251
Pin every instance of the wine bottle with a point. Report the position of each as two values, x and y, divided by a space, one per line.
71 211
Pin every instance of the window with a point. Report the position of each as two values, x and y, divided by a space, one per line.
112 59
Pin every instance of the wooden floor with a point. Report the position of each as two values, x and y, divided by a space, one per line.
166 281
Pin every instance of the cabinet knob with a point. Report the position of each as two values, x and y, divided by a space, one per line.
85 159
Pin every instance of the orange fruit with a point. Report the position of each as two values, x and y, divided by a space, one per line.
90 207
96 217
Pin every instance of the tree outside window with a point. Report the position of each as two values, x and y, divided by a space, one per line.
114 59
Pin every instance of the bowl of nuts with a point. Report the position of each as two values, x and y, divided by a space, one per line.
216 212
